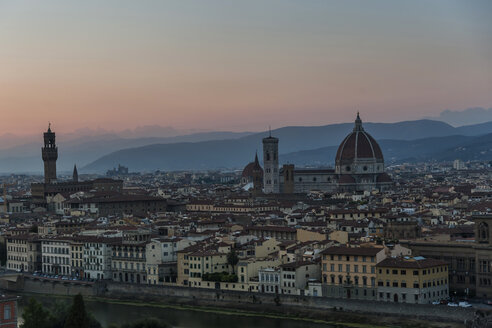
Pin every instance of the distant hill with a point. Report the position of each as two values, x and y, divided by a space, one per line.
412 140
82 151
396 151
216 149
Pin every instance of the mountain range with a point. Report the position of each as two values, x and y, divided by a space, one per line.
301 145
309 146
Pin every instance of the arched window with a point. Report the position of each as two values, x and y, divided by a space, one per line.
483 232
267 156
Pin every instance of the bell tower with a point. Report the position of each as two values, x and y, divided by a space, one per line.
50 155
270 165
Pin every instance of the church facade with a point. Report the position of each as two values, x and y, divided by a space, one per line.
359 166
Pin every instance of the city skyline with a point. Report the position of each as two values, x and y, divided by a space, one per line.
239 67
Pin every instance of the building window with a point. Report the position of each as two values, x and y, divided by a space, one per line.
483 232
6 312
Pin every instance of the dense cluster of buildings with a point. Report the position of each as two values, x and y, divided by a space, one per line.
359 166
421 236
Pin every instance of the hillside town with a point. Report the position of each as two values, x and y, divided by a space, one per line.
410 233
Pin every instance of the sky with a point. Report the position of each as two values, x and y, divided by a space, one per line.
239 65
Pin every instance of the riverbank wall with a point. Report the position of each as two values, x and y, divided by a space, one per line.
318 307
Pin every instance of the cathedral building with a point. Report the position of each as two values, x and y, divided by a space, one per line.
252 176
359 166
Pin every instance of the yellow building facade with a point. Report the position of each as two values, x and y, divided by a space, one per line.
414 280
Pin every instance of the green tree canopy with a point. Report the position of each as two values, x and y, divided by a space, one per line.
146 323
36 316
77 316
232 259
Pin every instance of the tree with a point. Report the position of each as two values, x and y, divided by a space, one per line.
232 259
3 252
36 316
146 323
59 312
77 316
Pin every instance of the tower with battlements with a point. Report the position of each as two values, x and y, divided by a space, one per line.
50 155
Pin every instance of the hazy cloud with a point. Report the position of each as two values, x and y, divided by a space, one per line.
467 116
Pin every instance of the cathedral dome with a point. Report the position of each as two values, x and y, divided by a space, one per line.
249 169
358 145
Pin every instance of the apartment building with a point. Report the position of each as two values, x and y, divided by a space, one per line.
23 253
161 259
269 280
56 256
294 276
128 262
97 257
350 272
206 262
412 280
76 258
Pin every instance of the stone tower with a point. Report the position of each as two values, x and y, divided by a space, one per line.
270 165
50 155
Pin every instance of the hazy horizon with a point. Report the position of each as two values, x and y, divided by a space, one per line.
241 66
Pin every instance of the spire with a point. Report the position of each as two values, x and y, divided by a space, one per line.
75 174
256 158
49 126
358 124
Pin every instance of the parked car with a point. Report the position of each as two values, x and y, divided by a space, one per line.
453 304
443 302
488 302
436 302
464 304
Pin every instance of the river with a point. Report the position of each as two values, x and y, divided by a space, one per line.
107 313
